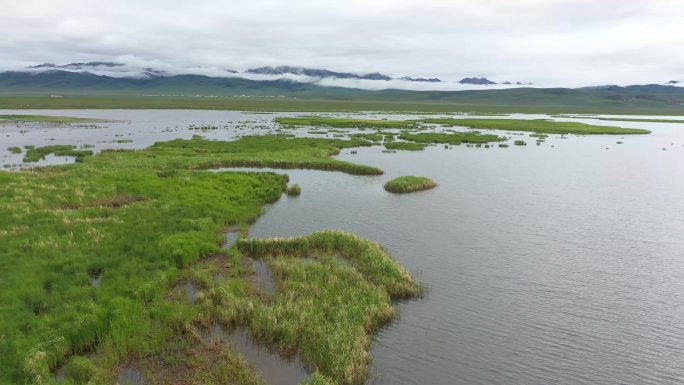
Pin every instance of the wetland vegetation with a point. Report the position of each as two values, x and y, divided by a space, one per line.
345 122
537 125
407 184
48 119
138 224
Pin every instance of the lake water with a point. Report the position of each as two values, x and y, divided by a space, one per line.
545 265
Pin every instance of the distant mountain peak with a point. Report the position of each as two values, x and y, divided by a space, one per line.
77 66
478 81
323 73
428 80
315 72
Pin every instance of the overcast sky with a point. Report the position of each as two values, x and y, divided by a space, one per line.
547 42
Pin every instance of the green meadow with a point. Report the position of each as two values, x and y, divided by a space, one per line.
93 253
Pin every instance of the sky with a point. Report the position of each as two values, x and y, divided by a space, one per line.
547 42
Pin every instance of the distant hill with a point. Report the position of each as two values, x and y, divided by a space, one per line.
480 81
321 73
652 96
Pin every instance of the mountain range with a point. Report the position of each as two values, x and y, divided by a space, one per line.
61 82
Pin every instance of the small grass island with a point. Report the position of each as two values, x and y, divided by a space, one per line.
407 184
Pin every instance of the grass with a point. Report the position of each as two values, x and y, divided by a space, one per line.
628 119
454 138
345 122
407 184
49 119
488 103
294 191
137 220
328 310
537 125
38 153
14 150
408 146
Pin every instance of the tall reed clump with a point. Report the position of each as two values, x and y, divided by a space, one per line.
327 311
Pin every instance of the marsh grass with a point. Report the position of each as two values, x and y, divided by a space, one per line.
49 119
37 153
408 146
345 122
454 138
537 125
325 311
136 219
294 190
407 184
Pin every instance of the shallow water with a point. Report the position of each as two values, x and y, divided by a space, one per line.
264 276
269 364
131 376
554 264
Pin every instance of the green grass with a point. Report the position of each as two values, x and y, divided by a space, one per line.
37 153
552 101
294 190
328 310
450 138
538 126
628 119
14 150
49 119
345 122
408 146
407 184
138 220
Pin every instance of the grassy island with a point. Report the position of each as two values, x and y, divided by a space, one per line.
346 122
407 184
538 126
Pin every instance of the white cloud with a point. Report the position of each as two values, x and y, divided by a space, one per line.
548 42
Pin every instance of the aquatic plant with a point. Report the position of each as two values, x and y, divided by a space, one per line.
536 125
408 146
14 150
454 138
345 122
407 184
294 190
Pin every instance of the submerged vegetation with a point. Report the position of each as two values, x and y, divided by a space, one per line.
92 250
537 125
407 184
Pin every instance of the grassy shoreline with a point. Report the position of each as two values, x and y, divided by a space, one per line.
136 222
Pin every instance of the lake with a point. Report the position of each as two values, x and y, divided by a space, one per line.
554 264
